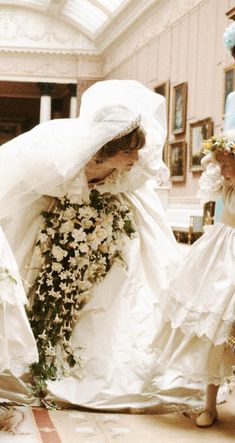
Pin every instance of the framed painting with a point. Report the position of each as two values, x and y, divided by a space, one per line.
229 82
177 161
164 89
198 131
179 108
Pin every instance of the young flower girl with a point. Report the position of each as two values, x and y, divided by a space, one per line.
197 338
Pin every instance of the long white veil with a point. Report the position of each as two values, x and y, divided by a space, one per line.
46 159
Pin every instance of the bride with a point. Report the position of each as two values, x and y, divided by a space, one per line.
80 208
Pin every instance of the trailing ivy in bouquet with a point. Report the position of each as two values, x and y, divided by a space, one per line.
77 245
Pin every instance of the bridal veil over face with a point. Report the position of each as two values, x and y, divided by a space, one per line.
46 159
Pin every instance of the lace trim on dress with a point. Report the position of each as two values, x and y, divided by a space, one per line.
188 377
194 322
115 183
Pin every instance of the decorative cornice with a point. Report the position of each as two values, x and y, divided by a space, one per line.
24 29
146 29
47 67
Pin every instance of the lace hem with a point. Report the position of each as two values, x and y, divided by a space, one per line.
187 378
191 321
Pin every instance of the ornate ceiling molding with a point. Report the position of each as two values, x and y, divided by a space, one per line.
29 30
48 67
149 27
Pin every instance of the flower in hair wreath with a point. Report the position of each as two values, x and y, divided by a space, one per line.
219 143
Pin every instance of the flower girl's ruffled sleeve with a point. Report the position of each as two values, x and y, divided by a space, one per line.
210 182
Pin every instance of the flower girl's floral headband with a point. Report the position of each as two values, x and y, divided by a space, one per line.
219 143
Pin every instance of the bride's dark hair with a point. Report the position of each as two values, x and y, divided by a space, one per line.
133 141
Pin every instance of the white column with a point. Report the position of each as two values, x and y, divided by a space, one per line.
73 111
45 102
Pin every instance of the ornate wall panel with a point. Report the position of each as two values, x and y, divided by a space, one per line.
48 67
164 15
24 29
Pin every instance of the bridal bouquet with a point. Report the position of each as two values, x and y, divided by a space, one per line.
77 245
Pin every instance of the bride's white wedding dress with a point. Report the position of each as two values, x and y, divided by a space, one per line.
17 345
117 326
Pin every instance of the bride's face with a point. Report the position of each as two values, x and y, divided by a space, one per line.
122 160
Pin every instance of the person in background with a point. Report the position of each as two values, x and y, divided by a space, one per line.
229 113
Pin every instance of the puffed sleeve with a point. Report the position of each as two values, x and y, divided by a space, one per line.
210 182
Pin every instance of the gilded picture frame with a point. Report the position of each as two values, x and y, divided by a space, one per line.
198 131
179 108
164 90
177 160
229 82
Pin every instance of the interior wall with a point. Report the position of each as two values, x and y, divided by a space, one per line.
189 49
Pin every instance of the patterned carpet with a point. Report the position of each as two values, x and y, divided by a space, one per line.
73 426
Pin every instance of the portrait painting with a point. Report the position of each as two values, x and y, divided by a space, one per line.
179 108
199 131
229 82
164 90
177 161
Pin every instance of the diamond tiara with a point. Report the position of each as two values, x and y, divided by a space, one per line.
133 125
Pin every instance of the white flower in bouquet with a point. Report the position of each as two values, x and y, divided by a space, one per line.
58 252
79 235
67 227
69 213
87 212
57 267
83 248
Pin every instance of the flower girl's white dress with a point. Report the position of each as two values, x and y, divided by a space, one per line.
199 308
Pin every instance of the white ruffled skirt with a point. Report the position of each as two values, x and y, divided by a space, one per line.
17 345
199 312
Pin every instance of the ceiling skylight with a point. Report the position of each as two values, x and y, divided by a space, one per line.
111 5
96 19
86 14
